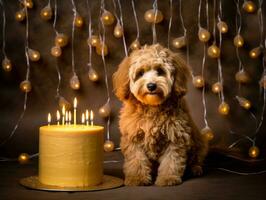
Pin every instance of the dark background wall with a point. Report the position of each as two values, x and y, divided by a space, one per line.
44 77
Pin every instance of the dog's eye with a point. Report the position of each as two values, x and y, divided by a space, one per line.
160 71
139 74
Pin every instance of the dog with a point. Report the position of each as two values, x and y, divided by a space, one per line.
155 123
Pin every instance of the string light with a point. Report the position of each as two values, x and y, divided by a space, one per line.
243 102
108 146
93 75
222 27
207 133
135 45
23 158
56 51
79 21
34 55
224 108
107 18
61 39
238 41
7 65
105 110
27 3
46 13
179 42
74 82
198 81
217 87
93 41
214 51
253 152
255 53
153 16
20 15
118 30
242 76
102 49
204 35
25 86
249 6
62 102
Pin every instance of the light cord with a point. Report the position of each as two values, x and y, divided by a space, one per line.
122 24
136 18
3 29
89 65
73 36
154 34
170 23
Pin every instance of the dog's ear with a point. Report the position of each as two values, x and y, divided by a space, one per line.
121 80
182 73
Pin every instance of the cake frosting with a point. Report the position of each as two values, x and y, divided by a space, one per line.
71 156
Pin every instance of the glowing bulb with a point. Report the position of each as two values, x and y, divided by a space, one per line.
64 103
93 75
23 158
108 146
102 48
242 77
207 133
118 31
46 13
255 53
238 41
105 110
61 39
25 86
217 87
204 35
78 21
56 51
7 65
249 7
224 108
28 3
198 81
135 45
93 41
107 18
20 15
179 42
74 82
243 102
34 55
263 82
214 51
222 27
253 152
153 16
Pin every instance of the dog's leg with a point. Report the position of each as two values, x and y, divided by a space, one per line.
172 165
137 167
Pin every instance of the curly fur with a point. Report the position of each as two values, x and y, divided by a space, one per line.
156 127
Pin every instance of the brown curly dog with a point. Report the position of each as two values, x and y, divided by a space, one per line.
154 122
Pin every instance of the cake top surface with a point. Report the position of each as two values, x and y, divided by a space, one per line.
72 128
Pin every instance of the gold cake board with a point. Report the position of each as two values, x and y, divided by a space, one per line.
109 182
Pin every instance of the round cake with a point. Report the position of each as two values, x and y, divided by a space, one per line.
71 155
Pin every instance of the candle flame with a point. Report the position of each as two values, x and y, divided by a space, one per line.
75 102
49 118
69 116
91 115
83 118
64 110
87 114
66 117
57 115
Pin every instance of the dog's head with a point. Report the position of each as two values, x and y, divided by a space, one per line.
151 74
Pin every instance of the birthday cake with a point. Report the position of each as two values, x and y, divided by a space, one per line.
71 156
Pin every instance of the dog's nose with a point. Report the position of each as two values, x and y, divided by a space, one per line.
151 86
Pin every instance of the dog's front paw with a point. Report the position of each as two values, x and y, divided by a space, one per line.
136 181
168 180
196 170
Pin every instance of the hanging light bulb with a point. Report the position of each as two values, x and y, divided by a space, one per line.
238 41
263 82
78 21
224 108
135 45
150 17
108 146
255 53
23 158
242 77
93 75
214 51
20 15
207 133
222 27
74 82
217 87
198 81
243 102
25 86
249 7
34 55
253 152
7 65
61 39
56 51
93 41
118 31
105 110
107 18
204 35
62 102
46 13
179 42
99 49
27 3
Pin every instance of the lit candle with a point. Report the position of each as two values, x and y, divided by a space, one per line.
66 117
49 119
58 117
69 117
91 117
83 118
63 115
87 117
75 110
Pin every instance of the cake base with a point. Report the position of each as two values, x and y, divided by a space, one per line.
109 182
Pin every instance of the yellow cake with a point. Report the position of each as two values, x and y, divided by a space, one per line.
71 156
